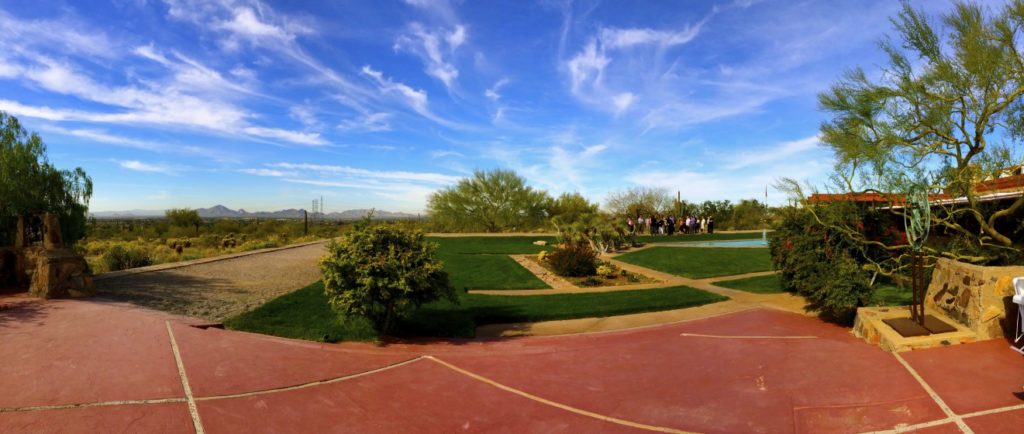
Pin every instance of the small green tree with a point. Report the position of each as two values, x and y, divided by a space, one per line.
493 201
748 214
571 207
184 217
381 271
29 184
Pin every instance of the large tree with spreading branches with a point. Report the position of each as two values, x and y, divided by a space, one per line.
946 110
491 201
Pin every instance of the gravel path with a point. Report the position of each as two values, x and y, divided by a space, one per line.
218 290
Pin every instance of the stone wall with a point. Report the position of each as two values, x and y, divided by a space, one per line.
977 297
58 273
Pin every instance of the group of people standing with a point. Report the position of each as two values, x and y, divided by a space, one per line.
670 225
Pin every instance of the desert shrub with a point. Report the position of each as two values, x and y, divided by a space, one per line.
574 260
380 272
118 257
542 255
592 281
608 271
819 264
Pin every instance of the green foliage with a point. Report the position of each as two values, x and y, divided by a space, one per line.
769 284
947 108
748 214
701 262
29 184
571 207
608 271
819 263
306 313
574 260
720 210
119 257
640 201
379 272
494 201
184 218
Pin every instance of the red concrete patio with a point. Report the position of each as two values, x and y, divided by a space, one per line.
91 366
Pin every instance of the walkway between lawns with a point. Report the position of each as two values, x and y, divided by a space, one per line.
74 366
738 301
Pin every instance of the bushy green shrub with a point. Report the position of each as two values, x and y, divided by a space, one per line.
819 264
122 258
574 260
380 272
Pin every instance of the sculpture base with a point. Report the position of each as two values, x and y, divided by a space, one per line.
907 327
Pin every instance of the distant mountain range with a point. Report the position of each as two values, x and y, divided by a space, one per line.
221 211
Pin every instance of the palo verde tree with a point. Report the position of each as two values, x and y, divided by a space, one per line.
947 108
29 184
184 217
491 201
381 271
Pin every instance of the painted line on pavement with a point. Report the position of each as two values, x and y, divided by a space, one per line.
565 407
192 409
908 428
311 384
935 396
698 335
90 405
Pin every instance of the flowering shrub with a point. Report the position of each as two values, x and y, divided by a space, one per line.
608 271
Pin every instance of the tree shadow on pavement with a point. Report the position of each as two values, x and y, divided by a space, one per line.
205 297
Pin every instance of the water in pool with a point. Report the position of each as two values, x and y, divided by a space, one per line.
730 243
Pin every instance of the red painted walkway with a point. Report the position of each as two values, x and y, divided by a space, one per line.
88 366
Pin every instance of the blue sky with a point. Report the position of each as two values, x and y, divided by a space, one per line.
268 105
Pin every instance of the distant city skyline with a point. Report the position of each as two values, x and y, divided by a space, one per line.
270 105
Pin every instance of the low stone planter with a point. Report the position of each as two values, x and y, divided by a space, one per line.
978 297
977 300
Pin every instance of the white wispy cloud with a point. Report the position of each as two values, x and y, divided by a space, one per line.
372 122
773 153
615 38
493 92
147 167
587 66
435 178
268 172
64 34
434 48
189 98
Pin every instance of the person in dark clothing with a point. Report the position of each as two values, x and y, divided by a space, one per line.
711 225
671 225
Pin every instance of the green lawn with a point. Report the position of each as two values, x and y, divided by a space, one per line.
890 295
760 285
701 262
483 262
506 245
305 314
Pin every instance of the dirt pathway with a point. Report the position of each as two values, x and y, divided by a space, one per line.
217 290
